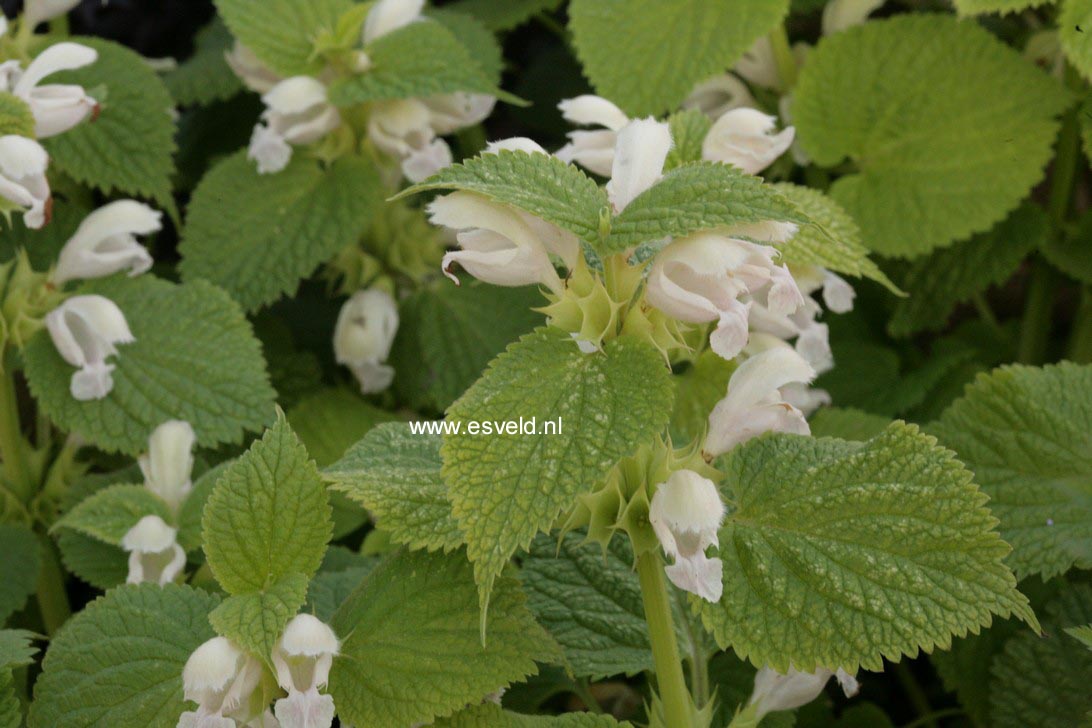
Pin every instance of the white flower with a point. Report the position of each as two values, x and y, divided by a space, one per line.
838 295
105 242
302 659
450 112
85 329
363 336
841 14
387 16
23 165
220 678
593 150
744 138
686 512
774 691
254 74
56 107
638 163
716 96
169 462
154 555
296 113
403 129
4 24
39 11
758 65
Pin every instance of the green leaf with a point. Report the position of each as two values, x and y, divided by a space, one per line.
1043 680
100 564
831 240
937 282
842 554
505 489
692 40
16 648
267 517
847 423
205 76
18 568
473 36
15 116
129 148
256 620
189 519
411 649
419 59
282 33
930 110
688 132
110 513
195 358
975 7
1073 23
11 710
1071 253
257 235
395 474
542 185
697 391
1025 431
490 715
1082 634
695 197
329 589
44 245
119 662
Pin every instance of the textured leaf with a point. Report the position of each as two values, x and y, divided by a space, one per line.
697 391
975 7
475 37
695 197
129 147
1073 23
542 185
110 513
11 711
15 116
937 282
195 358
846 423
506 15
505 489
16 649
693 40
205 76
256 620
100 564
329 589
841 554
42 246
411 649
119 662
258 235
1025 432
282 33
18 569
189 519
688 132
1072 253
395 474
490 715
871 92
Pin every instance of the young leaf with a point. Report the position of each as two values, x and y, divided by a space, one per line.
841 554
868 93
1025 432
110 513
205 76
257 235
507 488
411 650
282 33
195 358
18 568
119 661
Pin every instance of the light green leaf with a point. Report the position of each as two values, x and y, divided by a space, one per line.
19 566
847 423
205 76
831 240
688 132
100 564
693 40
506 15
411 650
195 358
937 282
15 116
1025 432
282 33
505 489
110 513
119 661
842 554
490 715
924 106
473 36
256 620
695 197
129 148
697 391
1082 634
395 474
542 185
1074 22
267 517
975 7
258 235
1072 253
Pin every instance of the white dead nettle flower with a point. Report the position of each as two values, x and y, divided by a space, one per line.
4 24
638 163
154 554
754 403
758 65
105 242
841 14
686 512
774 691
302 659
387 16
56 107
85 330
718 95
168 464
744 138
592 149
220 678
450 112
363 336
805 398
403 129
254 74
297 112
23 181
39 11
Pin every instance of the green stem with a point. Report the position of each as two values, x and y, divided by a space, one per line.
698 659
1080 340
1065 160
12 448
986 314
52 597
1038 308
915 693
783 56
665 652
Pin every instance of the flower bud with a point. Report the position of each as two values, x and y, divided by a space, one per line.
85 329
105 242
169 461
23 182
154 555
297 112
686 512
363 336
744 138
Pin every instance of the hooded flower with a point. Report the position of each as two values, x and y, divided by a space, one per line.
686 512
302 659
56 107
744 138
169 461
85 329
387 16
718 95
23 182
363 336
154 555
594 149
105 242
254 74
296 112
39 11
638 163
774 691
220 678
754 403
